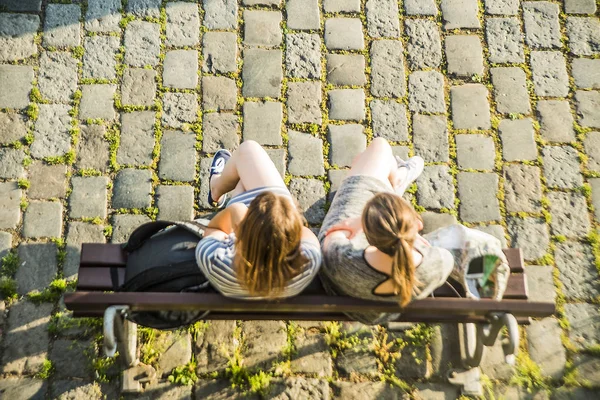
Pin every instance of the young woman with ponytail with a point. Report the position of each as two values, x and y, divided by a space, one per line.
370 241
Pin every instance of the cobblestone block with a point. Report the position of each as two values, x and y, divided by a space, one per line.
387 69
303 55
5 246
426 92
303 14
357 360
97 101
124 225
51 133
346 69
99 58
587 367
540 281
304 102
365 390
43 219
137 138
518 139
218 93
475 151
15 81
179 109
92 149
142 43
262 28
578 273
494 365
139 87
47 181
478 201
183 24
592 148
12 128
178 351
505 40
10 198
279 159
78 389
68 358
586 73
435 391
312 355
460 14
262 122
435 188
262 73
23 388
262 2
177 156
335 6
17 32
57 78
556 121
61 25
11 163
545 347
522 231
346 141
584 39
220 132
144 8
175 203
542 29
215 389
549 72
389 120
20 5
103 16
470 107
343 34
218 335
88 198
561 167
424 44
335 176
585 324
434 220
220 14
310 194
588 108
181 69
220 52
26 338
204 173
382 18
347 104
430 137
569 214
420 7
502 7
510 90
80 232
299 388
260 353
305 154
132 189
580 6
595 183
522 187
37 268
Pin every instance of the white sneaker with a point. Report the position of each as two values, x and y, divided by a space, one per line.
409 171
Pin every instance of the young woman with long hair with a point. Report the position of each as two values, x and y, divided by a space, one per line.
258 246
369 238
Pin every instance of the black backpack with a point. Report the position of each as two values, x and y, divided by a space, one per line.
161 258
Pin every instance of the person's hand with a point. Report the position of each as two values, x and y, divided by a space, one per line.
351 225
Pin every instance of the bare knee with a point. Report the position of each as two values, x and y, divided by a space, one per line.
380 146
249 147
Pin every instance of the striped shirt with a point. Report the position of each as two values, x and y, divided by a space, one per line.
215 258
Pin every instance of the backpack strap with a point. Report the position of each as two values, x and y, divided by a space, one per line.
149 229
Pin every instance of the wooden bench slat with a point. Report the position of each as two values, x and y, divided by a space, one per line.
148 301
102 255
98 278
515 259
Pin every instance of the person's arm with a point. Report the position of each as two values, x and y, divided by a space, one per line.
225 221
309 236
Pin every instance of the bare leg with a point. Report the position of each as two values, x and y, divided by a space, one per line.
378 161
249 166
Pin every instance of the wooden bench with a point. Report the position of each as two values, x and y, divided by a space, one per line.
480 320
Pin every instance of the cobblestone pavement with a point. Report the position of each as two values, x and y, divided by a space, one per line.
110 112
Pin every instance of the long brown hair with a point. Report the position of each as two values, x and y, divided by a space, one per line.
389 223
268 251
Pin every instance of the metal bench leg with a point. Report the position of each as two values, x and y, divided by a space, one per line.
120 333
473 338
